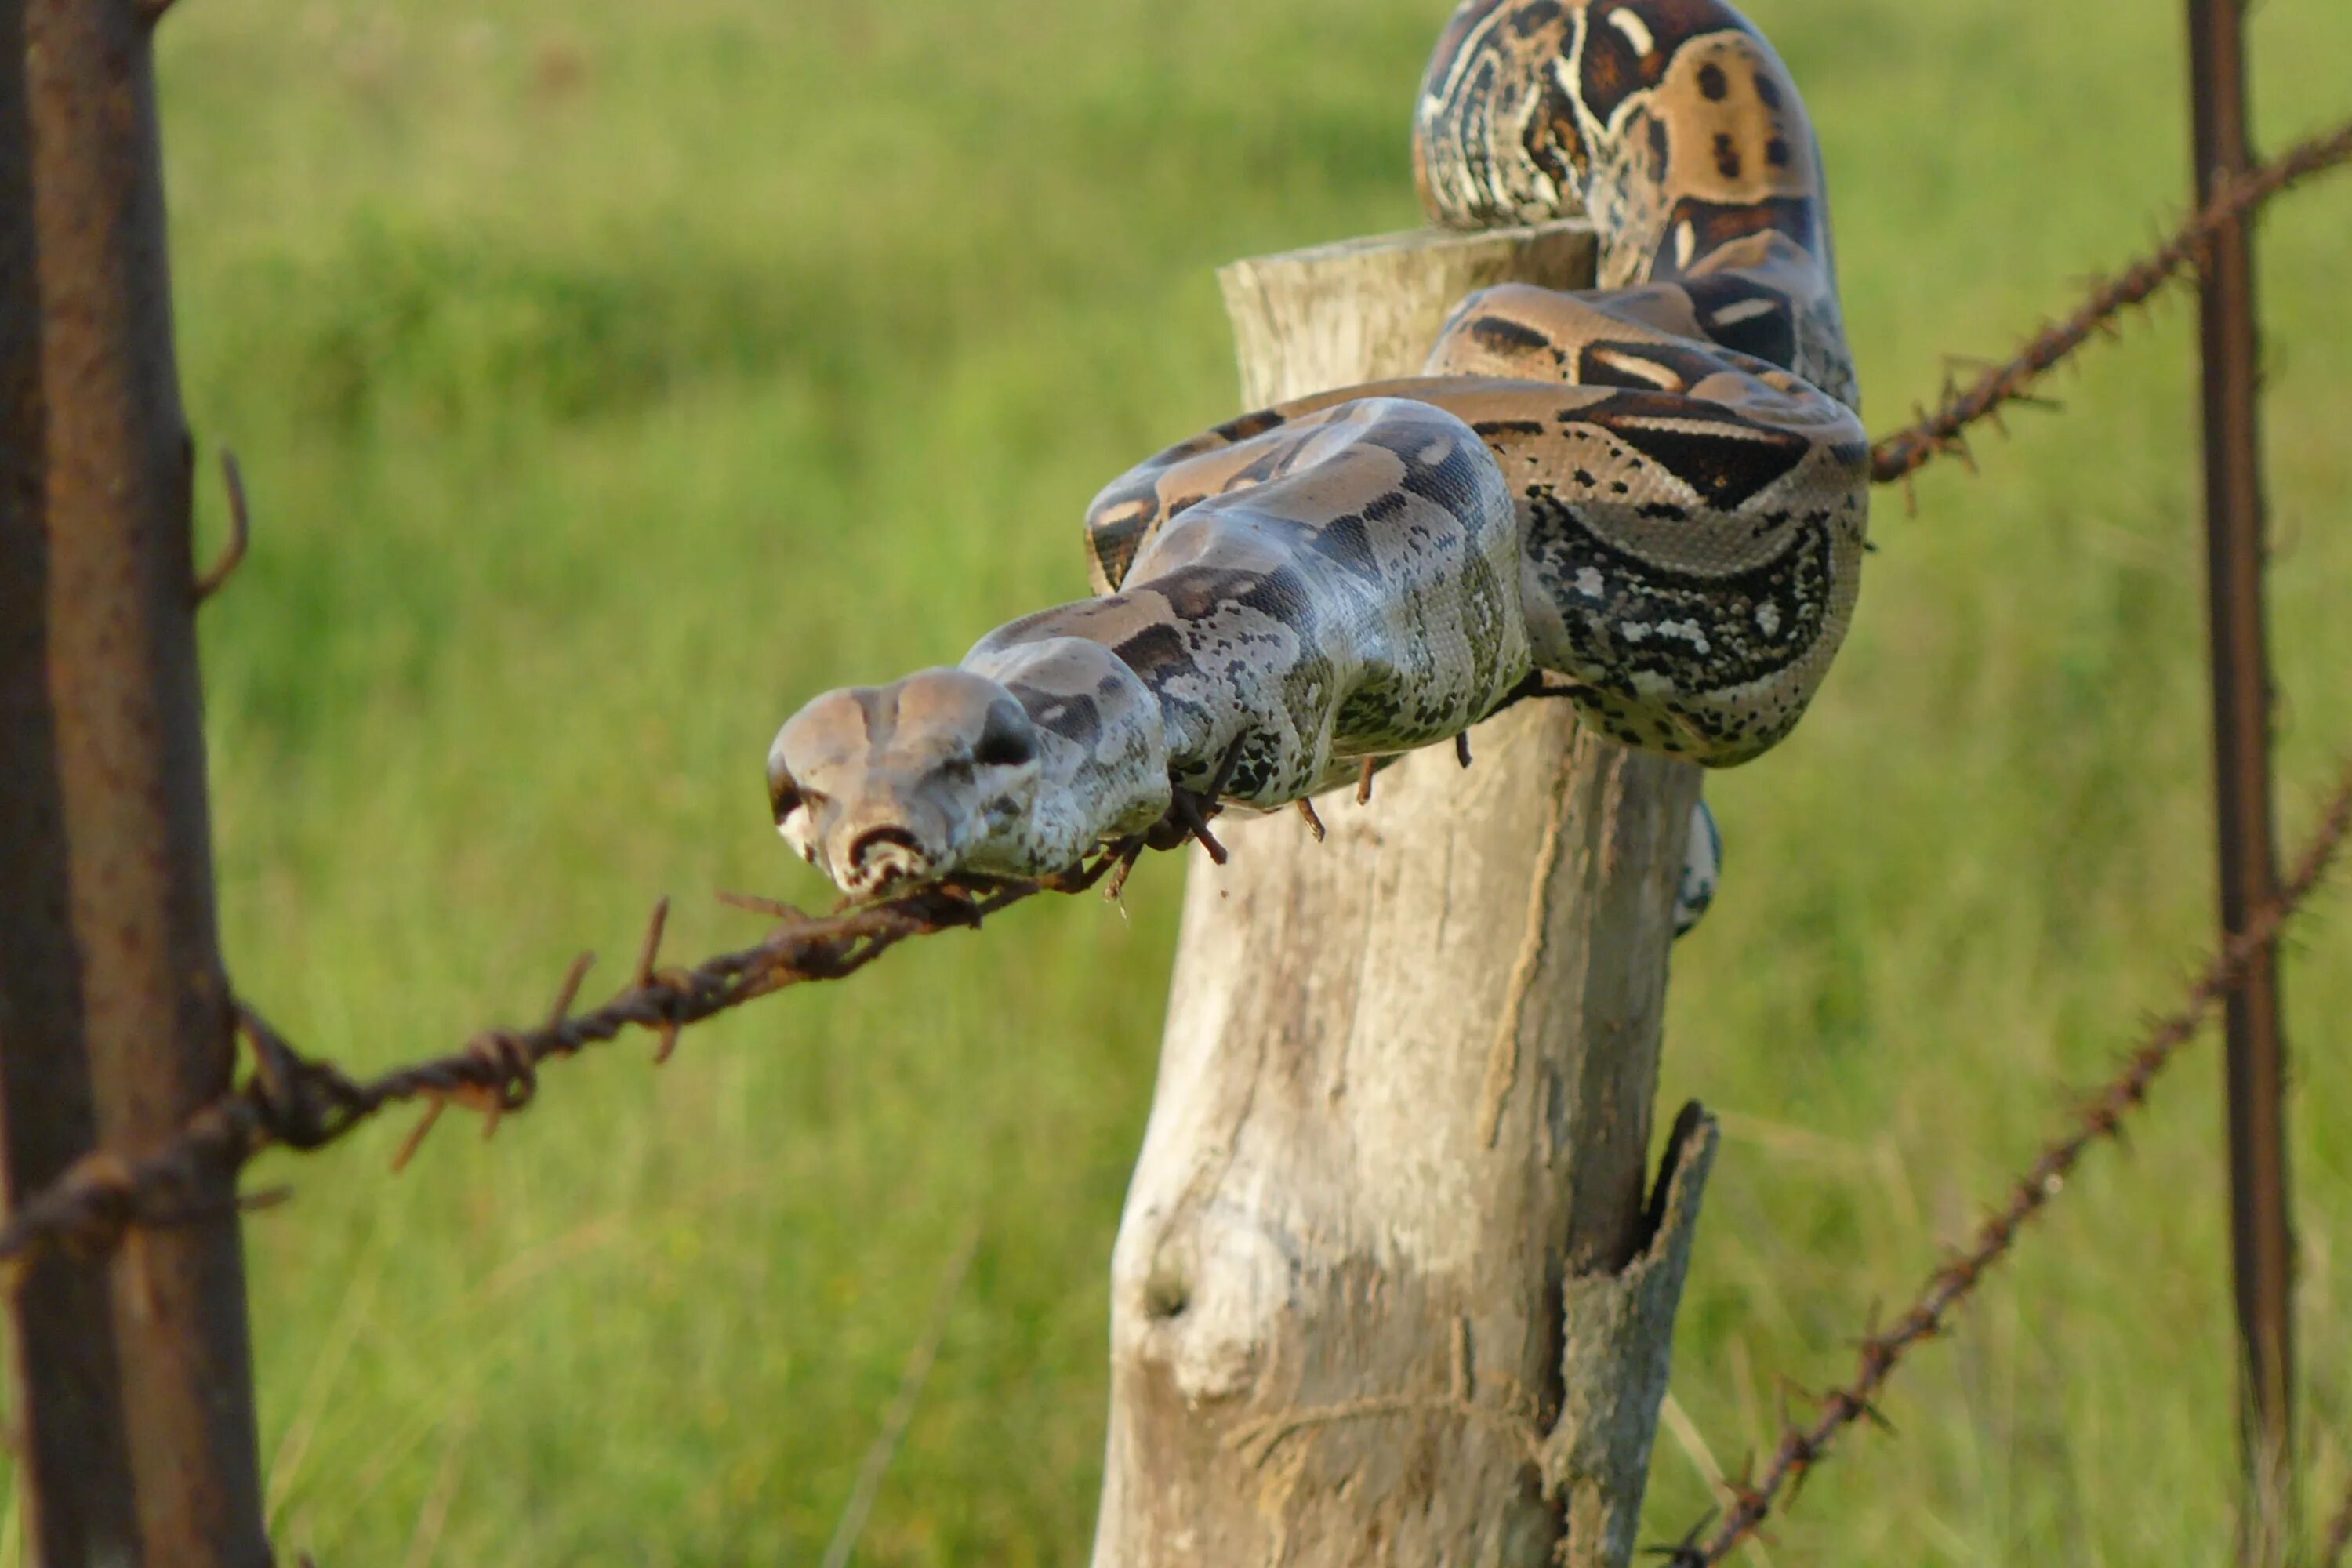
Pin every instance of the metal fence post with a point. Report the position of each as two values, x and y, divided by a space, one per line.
2262 1244
131 1373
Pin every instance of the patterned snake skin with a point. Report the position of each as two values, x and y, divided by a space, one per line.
1656 490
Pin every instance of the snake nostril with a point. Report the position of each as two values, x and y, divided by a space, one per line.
874 838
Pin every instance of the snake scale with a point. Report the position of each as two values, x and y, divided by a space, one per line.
1656 490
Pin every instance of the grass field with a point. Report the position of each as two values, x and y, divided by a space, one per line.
609 377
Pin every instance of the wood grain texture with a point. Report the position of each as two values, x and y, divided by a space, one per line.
1404 1100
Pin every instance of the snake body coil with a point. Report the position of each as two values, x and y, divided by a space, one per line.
1656 488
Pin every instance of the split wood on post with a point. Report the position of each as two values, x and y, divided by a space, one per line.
1396 1153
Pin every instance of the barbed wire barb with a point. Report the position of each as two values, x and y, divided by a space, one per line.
240 533
648 972
2095 1118
301 1103
1897 456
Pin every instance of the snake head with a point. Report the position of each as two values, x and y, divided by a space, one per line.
879 786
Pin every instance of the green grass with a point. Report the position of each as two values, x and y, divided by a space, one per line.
609 377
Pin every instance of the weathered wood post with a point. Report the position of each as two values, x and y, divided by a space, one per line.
131 1392
1386 1289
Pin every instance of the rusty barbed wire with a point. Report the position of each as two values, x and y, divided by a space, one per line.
298 1102
2098 1118
1901 454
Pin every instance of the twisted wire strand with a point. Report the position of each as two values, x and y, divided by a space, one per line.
2096 1118
299 1102
1903 452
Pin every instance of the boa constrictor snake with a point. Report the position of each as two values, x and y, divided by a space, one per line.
1656 490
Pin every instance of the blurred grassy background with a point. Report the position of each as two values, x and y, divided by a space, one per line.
609 377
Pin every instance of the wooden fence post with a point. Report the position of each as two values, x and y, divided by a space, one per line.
132 1381
1386 1289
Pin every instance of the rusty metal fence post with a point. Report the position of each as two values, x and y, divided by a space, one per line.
2262 1244
132 1383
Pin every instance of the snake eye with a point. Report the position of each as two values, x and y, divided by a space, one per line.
783 796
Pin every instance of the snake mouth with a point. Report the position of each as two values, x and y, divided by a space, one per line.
882 857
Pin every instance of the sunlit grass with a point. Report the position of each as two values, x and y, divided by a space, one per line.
609 377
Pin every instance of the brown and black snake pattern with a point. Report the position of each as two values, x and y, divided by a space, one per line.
1657 488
